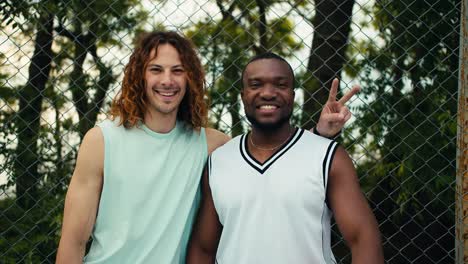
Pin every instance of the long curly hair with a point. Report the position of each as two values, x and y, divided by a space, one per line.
131 102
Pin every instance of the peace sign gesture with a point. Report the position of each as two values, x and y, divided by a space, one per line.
334 113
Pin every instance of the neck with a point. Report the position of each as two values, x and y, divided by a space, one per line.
160 123
271 137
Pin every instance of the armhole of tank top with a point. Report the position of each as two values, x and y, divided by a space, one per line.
105 135
326 167
204 140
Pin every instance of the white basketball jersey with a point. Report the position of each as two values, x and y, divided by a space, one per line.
273 212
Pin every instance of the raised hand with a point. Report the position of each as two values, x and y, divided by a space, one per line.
334 113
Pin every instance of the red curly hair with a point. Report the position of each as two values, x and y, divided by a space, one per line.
130 104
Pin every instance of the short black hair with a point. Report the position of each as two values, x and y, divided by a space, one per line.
267 55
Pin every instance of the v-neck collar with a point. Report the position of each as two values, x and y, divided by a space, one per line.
262 167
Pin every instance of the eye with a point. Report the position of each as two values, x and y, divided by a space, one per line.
255 84
282 85
178 71
155 69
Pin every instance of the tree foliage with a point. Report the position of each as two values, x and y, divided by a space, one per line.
407 125
227 43
41 133
403 136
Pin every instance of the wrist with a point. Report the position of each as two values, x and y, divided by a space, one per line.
333 137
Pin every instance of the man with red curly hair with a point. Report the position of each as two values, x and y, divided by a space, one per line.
135 187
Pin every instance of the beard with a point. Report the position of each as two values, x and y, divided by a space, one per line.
268 126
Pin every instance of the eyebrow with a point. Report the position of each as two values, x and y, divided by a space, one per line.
279 78
160 66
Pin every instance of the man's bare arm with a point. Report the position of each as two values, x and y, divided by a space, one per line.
207 230
82 198
352 212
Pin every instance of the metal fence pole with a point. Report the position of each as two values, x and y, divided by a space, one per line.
462 143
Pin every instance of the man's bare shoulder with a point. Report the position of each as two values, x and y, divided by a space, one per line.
215 139
93 136
90 160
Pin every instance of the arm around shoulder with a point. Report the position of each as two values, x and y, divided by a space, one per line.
82 198
352 212
215 139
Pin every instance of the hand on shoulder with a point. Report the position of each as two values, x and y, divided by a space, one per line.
215 139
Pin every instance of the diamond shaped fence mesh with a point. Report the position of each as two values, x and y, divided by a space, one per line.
62 63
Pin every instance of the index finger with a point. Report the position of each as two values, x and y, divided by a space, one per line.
349 94
333 90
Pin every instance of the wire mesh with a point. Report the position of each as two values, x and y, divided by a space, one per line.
62 63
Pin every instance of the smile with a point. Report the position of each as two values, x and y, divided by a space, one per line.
166 93
268 107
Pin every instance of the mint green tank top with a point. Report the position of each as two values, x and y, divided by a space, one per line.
150 194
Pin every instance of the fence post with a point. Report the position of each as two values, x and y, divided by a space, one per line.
462 143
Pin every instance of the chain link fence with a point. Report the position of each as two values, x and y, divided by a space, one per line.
62 63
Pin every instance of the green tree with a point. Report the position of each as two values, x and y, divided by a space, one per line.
228 43
408 127
30 102
332 25
65 33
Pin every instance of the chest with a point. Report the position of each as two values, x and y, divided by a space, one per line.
134 164
292 182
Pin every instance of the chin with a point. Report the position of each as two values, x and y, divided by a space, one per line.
168 111
268 124
164 109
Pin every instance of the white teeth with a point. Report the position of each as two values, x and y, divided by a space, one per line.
268 107
165 93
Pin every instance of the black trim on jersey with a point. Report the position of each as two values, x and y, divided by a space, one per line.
280 152
243 155
332 156
326 171
324 164
208 168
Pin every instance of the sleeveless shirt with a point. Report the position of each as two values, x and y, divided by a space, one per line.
273 212
150 194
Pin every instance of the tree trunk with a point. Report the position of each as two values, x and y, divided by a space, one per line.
236 125
86 107
262 26
233 104
29 113
106 78
78 85
327 56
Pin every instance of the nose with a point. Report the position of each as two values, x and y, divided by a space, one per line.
268 92
166 79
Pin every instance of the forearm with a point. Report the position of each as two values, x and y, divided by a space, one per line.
367 250
70 252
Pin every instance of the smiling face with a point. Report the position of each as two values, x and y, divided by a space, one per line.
166 81
268 94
